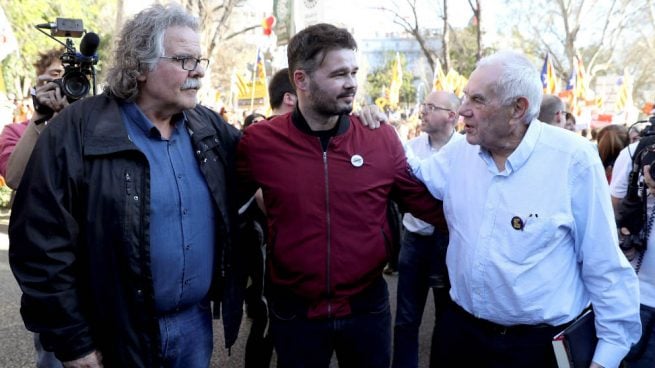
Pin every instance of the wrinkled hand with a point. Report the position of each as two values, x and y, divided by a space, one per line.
371 116
91 360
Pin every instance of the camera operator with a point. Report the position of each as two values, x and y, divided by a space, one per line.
17 140
634 186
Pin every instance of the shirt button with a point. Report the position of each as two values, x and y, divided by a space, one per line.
136 198
184 211
139 292
179 176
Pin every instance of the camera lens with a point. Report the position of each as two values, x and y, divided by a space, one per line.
75 85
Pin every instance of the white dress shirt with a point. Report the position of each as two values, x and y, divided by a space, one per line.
536 242
422 149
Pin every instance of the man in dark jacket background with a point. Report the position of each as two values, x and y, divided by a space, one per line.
122 229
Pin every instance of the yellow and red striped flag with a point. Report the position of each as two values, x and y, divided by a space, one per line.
548 77
624 100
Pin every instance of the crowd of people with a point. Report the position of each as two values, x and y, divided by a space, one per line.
141 215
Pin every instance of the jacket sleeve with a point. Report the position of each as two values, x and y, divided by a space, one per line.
412 195
44 247
246 181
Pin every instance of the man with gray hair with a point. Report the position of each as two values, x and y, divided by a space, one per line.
552 111
123 224
532 235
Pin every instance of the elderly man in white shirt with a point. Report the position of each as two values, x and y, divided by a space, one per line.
532 236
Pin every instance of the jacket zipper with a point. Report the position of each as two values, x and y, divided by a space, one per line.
329 235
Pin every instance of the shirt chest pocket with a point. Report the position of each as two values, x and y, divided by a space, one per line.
529 237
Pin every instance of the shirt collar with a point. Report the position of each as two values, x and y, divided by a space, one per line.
520 156
136 116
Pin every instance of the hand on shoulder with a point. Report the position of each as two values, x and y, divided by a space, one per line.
371 116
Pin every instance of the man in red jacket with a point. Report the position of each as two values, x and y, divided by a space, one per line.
326 181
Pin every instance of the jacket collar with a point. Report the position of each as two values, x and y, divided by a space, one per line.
300 122
108 134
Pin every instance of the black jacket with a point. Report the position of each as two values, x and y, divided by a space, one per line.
79 234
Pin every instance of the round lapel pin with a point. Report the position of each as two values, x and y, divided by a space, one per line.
357 160
517 223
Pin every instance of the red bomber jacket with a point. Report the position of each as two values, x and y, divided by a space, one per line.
328 233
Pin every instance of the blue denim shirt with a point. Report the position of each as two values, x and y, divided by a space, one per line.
182 230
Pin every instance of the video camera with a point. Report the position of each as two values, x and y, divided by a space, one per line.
78 66
650 128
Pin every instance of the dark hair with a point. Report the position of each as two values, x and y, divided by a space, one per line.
594 133
46 59
307 49
250 119
568 115
278 86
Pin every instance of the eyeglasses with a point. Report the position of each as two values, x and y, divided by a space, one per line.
189 62
431 108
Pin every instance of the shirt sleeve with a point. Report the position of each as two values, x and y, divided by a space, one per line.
9 137
246 183
620 174
432 171
411 195
607 275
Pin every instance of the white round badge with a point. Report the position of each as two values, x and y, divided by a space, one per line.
357 160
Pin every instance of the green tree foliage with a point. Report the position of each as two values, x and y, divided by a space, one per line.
18 70
379 79
463 49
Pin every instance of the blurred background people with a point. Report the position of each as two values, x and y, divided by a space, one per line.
552 111
632 189
570 122
252 119
281 93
